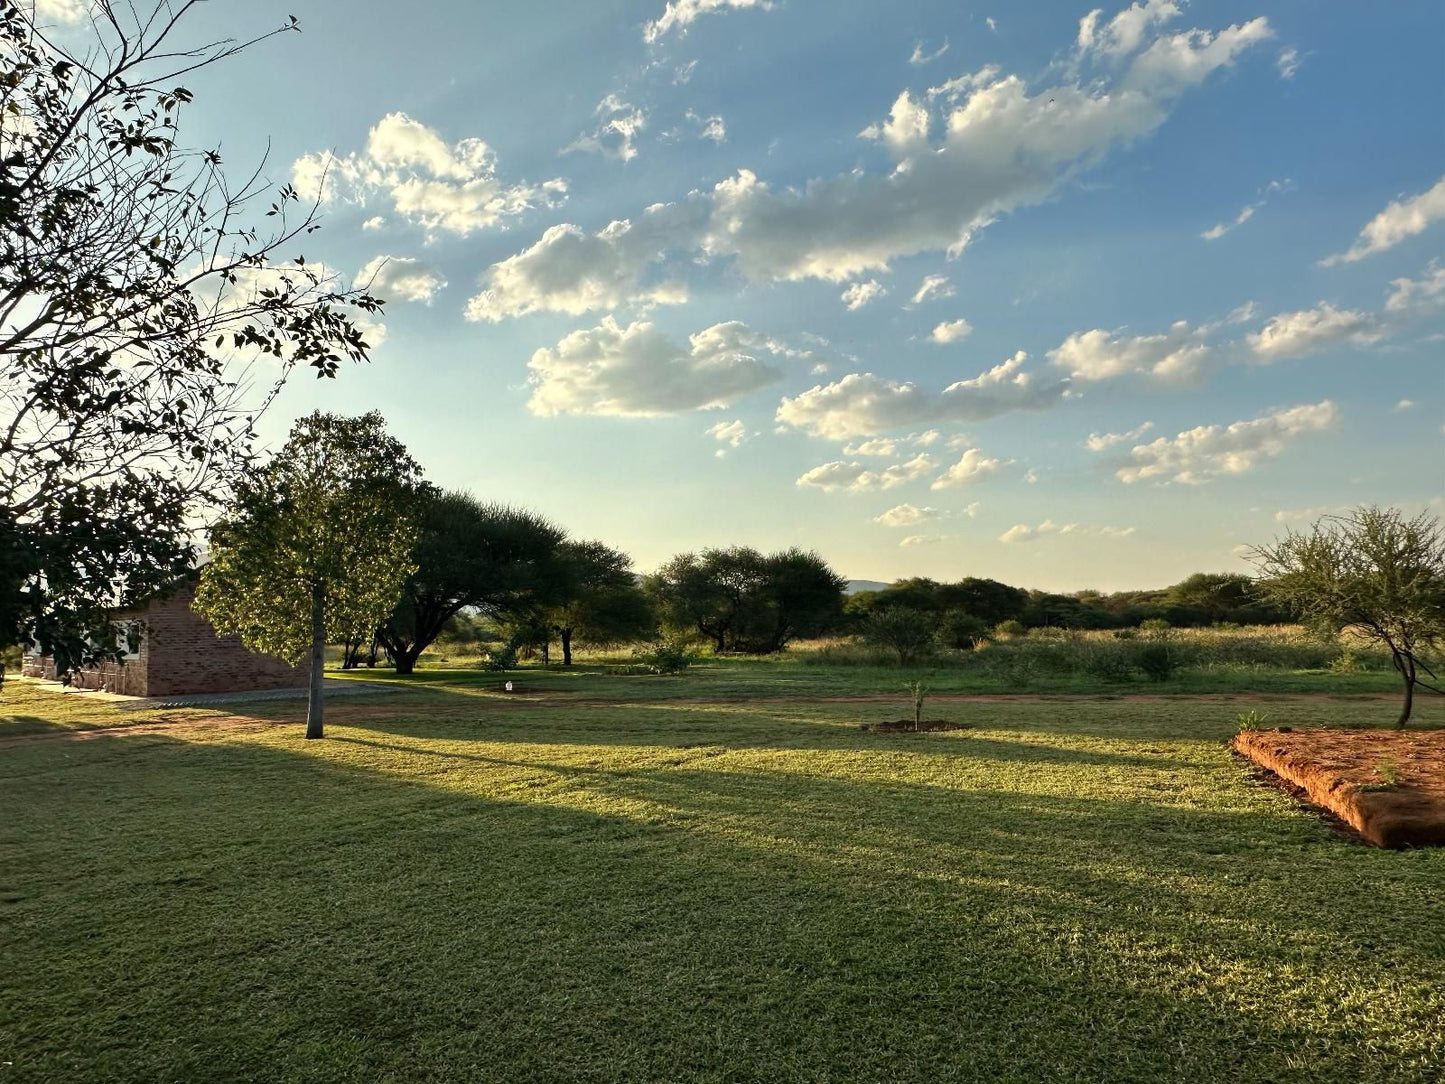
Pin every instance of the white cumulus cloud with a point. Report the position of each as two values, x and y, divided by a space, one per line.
1402 219
1291 334
860 478
950 331
440 186
973 466
860 293
933 287
985 145
1211 451
1097 442
908 515
680 14
1178 355
618 124
400 277
1023 532
637 371
862 404
733 433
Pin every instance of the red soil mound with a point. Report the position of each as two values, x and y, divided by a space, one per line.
1346 772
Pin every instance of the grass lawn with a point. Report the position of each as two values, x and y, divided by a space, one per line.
609 881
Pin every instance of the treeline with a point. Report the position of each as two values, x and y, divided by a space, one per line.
511 583
973 604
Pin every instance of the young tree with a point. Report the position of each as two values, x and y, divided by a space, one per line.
601 601
909 633
1373 572
136 289
317 544
496 560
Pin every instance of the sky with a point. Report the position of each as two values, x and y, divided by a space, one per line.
1067 297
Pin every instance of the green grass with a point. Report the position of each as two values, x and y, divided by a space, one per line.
455 886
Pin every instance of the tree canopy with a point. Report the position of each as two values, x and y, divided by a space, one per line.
742 600
1373 572
316 545
471 555
138 290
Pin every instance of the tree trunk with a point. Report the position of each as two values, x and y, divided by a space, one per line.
406 658
314 701
566 635
1407 671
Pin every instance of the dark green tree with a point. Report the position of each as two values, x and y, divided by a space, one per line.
742 600
136 288
316 545
602 604
497 561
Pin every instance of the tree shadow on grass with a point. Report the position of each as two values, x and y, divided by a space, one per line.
331 910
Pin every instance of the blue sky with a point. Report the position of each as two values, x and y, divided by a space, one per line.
867 278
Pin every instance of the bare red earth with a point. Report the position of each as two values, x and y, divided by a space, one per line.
1344 771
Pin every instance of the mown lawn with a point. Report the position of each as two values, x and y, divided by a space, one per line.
609 882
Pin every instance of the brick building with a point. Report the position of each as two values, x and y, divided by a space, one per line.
180 653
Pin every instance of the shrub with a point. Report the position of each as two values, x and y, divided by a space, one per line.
958 630
669 656
908 633
1007 630
502 657
1154 624
1156 661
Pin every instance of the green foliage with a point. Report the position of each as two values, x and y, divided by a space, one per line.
1157 661
1373 572
1007 630
331 517
138 293
491 559
1154 624
908 633
669 655
960 631
598 600
1251 720
742 600
502 657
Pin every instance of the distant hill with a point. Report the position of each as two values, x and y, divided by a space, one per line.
854 586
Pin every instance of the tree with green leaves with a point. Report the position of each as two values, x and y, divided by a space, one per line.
742 600
602 604
1372 572
494 560
316 545
138 290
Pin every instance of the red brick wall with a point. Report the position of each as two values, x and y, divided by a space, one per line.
181 654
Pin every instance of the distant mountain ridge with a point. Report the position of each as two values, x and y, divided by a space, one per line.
854 586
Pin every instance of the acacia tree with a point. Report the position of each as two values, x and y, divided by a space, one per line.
601 602
490 558
316 545
745 601
1373 572
137 293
